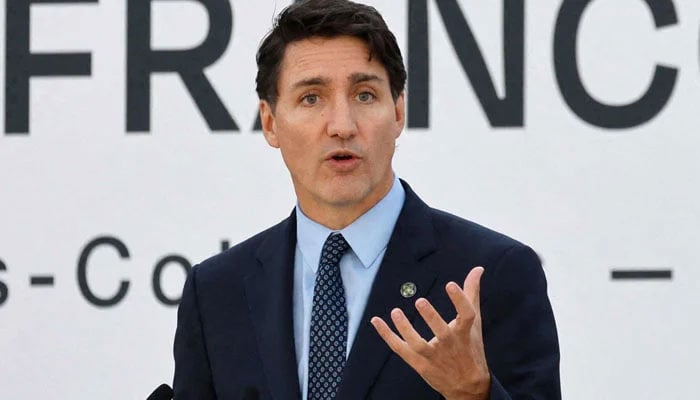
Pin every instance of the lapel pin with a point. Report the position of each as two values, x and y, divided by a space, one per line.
408 289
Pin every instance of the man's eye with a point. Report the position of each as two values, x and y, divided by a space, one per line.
310 99
365 97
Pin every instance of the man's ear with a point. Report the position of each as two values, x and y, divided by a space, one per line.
400 113
267 122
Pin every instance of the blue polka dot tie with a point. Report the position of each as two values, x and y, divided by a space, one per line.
329 323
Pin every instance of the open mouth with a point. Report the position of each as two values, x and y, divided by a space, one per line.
343 160
342 155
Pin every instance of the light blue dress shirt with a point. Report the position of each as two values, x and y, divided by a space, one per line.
368 237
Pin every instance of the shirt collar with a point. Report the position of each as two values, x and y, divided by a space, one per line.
367 236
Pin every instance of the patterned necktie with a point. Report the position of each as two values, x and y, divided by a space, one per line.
329 323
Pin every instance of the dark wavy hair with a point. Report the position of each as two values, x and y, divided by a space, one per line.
327 18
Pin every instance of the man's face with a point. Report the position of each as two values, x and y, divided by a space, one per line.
335 123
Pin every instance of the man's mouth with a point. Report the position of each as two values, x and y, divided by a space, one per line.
342 155
343 160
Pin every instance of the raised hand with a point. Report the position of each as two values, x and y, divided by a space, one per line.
453 361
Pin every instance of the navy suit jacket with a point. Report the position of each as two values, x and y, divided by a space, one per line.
235 331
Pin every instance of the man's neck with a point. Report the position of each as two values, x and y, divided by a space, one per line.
337 217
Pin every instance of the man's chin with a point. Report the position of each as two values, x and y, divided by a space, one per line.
347 196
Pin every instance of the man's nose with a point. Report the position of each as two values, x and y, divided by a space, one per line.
341 120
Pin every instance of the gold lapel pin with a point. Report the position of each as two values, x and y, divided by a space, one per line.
408 289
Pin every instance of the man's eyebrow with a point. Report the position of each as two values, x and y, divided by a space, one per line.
355 78
360 77
315 81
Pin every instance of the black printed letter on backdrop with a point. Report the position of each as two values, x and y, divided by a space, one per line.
501 112
4 292
21 64
189 64
158 273
82 272
569 79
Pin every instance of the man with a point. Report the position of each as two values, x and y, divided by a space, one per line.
302 310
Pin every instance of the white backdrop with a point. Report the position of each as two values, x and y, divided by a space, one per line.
588 199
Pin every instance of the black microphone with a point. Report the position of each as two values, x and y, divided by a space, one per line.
250 393
162 392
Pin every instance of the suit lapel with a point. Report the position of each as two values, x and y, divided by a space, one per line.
404 261
269 294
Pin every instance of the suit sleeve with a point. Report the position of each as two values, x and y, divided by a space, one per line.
193 379
520 336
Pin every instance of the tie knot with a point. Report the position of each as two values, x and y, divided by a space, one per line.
333 249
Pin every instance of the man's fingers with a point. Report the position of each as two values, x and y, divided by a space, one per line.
435 322
408 333
459 298
395 343
472 286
